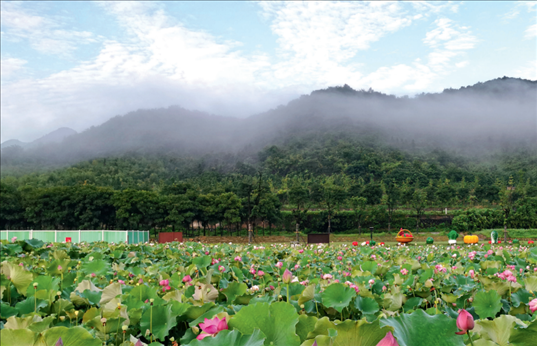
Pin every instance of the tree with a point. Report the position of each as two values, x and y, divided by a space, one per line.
332 196
445 193
299 195
11 209
372 192
228 207
419 202
391 199
358 206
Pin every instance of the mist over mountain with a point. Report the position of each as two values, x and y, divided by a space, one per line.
55 136
500 114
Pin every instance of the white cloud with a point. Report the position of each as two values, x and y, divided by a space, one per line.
317 40
164 62
527 71
43 33
531 31
10 66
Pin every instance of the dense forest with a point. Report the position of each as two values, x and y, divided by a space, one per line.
336 160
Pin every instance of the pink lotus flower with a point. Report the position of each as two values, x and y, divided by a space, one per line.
533 305
187 278
93 275
212 327
121 282
287 277
327 276
404 271
14 239
465 322
339 258
238 258
221 269
300 251
279 264
260 273
388 340
472 273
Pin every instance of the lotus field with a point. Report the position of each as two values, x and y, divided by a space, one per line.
224 294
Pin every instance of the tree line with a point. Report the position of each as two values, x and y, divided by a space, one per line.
257 200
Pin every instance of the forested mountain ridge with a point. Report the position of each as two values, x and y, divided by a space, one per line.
52 137
471 119
353 156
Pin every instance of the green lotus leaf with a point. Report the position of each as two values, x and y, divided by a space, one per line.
87 285
355 333
12 249
234 290
307 295
110 292
487 304
29 305
412 303
17 337
97 267
194 312
421 329
21 322
74 336
235 338
20 277
524 336
34 243
160 318
305 325
521 296
277 321
209 314
7 311
202 262
369 266
43 282
41 326
530 283
294 289
498 330
94 297
337 296
366 305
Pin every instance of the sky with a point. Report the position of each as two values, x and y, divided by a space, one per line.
77 64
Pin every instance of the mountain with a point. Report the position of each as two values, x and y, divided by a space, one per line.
472 120
14 143
55 136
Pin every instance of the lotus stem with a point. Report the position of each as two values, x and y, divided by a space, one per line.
151 321
470 338
288 294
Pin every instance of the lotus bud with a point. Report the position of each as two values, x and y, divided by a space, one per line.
465 322
59 342
287 277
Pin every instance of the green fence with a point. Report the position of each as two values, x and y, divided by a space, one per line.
131 237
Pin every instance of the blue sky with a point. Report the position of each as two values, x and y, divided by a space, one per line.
77 64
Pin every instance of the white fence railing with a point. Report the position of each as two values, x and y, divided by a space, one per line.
77 236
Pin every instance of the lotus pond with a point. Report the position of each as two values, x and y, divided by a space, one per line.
198 294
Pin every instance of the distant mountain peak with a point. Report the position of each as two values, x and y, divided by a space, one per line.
55 136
